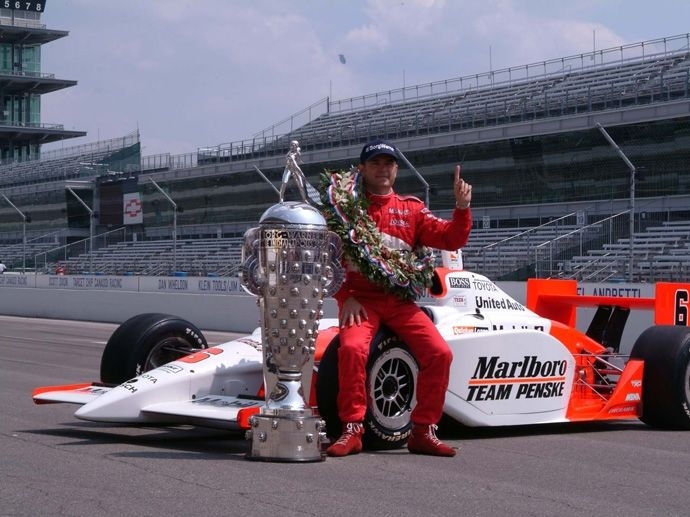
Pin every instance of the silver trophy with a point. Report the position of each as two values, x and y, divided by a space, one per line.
291 262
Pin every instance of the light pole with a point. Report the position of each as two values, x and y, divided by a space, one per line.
174 207
419 176
23 215
88 209
632 194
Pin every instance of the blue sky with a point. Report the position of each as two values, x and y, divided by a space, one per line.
198 73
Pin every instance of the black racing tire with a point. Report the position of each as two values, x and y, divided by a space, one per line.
665 350
390 386
145 342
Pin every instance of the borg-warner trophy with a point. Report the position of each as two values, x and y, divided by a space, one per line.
291 261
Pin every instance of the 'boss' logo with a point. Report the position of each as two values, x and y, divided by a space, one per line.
459 283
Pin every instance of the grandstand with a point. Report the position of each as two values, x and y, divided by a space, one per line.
552 197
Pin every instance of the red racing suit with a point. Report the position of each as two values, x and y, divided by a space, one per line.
405 223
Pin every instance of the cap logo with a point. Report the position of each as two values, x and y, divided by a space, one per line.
378 147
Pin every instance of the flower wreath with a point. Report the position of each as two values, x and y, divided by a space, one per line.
406 274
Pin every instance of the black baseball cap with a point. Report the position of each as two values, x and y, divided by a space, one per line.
376 148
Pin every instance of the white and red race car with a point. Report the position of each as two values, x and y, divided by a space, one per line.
513 365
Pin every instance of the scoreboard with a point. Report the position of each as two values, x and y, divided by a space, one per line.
24 5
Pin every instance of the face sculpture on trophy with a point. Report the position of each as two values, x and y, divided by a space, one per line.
291 262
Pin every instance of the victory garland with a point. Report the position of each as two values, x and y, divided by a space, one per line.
406 274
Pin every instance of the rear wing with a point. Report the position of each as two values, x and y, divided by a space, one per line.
559 300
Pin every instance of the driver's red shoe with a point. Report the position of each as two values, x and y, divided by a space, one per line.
350 442
423 441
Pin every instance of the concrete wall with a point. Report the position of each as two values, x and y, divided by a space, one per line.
236 313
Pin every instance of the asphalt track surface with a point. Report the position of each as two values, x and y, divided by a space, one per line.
53 464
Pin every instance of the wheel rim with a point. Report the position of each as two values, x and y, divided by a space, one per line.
392 381
167 350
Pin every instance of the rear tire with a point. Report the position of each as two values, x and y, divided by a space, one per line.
665 350
390 386
145 342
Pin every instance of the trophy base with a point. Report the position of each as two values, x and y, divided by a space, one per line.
287 438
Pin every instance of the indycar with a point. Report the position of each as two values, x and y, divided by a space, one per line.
513 364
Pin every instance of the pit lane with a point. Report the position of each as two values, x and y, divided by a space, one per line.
54 464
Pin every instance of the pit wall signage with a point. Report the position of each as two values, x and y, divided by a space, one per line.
191 285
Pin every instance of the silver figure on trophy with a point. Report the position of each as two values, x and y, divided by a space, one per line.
293 170
291 261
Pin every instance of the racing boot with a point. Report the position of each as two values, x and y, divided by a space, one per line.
423 441
350 442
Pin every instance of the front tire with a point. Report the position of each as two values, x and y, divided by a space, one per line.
145 342
665 350
390 386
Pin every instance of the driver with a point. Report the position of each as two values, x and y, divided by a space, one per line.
365 300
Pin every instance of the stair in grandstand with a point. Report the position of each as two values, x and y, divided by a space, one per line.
657 253
193 257
521 253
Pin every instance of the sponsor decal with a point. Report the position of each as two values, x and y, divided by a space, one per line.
462 330
129 386
171 368
615 292
459 282
223 402
460 300
96 390
529 378
484 285
251 342
399 222
622 409
620 292
632 397
540 328
467 329
495 303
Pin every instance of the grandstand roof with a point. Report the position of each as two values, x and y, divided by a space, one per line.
29 34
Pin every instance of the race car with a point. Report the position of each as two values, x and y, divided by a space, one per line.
513 364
